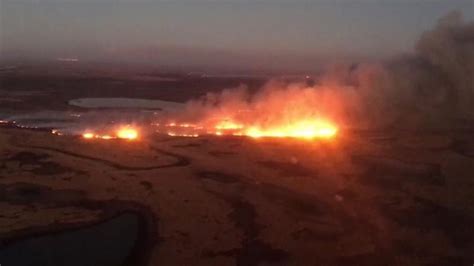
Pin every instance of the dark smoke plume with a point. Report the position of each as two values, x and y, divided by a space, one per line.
438 81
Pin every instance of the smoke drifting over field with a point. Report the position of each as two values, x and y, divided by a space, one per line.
438 79
431 88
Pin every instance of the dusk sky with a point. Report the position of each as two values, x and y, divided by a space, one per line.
180 30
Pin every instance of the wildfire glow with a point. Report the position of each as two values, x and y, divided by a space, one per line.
173 134
228 125
127 133
277 110
106 137
88 135
303 129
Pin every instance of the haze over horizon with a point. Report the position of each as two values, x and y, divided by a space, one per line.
231 33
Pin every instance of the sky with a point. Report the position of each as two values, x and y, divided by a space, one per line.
218 32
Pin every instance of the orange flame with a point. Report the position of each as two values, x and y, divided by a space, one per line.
304 129
278 110
88 135
127 133
228 125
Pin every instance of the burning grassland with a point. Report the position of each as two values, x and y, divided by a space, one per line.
303 129
123 132
352 196
278 110
431 88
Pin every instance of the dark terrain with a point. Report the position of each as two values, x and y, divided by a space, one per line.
364 198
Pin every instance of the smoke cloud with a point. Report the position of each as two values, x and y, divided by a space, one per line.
433 87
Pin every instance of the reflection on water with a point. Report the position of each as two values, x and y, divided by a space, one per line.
95 113
108 243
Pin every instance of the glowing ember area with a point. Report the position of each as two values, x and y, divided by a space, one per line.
172 134
88 135
106 137
228 125
301 129
304 129
126 133
277 110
